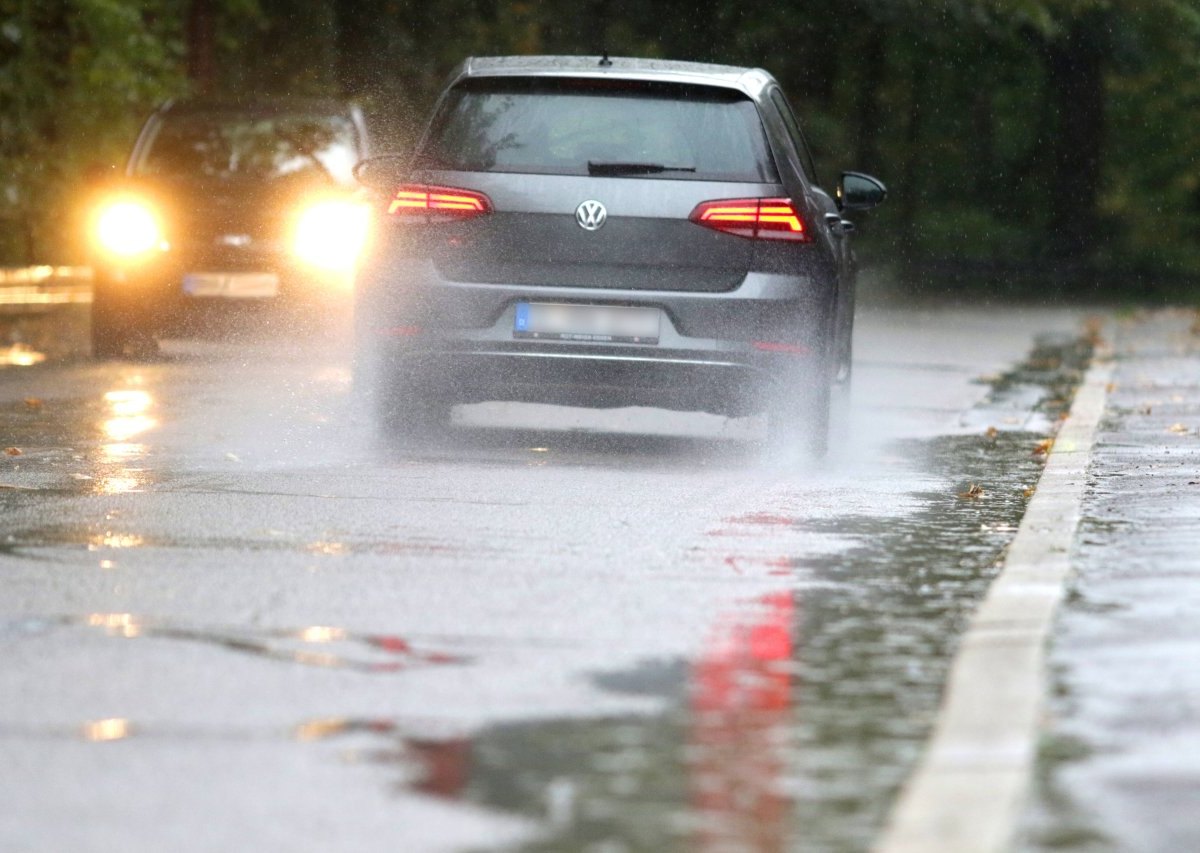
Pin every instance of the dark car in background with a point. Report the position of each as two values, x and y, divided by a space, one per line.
224 204
609 232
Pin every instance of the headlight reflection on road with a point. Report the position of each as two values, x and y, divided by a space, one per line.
121 429
322 634
120 451
321 729
111 539
106 730
327 548
128 409
127 402
116 624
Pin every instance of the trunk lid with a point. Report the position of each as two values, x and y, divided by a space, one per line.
533 236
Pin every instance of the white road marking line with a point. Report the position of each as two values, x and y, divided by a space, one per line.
968 790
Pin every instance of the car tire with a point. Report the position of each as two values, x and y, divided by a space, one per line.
107 340
110 332
113 340
410 414
798 421
115 334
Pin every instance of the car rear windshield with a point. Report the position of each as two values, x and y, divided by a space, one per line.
230 145
609 127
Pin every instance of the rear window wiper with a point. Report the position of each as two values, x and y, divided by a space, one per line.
607 168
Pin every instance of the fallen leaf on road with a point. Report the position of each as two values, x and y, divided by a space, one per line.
1110 387
1028 491
760 518
992 432
974 493
12 451
33 403
1043 447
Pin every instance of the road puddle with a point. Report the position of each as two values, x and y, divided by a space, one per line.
100 444
798 722
315 646
808 707
793 726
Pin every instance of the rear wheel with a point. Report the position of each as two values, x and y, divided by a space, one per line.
415 418
409 412
116 331
798 421
108 340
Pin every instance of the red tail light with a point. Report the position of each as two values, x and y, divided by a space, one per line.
756 218
421 203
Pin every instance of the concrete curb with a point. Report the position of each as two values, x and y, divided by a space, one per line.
967 792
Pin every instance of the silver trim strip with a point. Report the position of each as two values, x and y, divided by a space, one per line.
583 357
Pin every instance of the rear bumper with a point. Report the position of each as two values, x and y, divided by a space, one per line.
718 352
580 379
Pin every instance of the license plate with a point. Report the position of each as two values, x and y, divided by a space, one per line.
232 285
589 323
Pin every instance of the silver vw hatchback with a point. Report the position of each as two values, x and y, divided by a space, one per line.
609 232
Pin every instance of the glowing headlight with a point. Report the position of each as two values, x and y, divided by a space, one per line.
128 227
330 234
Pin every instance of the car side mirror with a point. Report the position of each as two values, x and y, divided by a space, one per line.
383 172
856 191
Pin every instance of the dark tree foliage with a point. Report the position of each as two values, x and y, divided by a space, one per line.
75 77
1052 133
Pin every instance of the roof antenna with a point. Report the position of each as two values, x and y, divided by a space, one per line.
605 62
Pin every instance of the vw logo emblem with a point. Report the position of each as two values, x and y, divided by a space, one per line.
591 215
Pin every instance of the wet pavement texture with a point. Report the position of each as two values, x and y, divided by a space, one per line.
235 616
1120 763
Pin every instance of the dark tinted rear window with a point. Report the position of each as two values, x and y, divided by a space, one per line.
557 126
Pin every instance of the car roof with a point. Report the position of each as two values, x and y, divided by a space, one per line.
749 80
264 105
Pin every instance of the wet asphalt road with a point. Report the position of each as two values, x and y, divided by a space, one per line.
235 617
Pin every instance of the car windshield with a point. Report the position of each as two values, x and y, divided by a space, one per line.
220 145
586 126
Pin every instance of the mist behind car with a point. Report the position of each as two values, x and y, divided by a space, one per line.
610 232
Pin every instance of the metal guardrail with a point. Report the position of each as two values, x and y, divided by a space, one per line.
43 314
44 286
